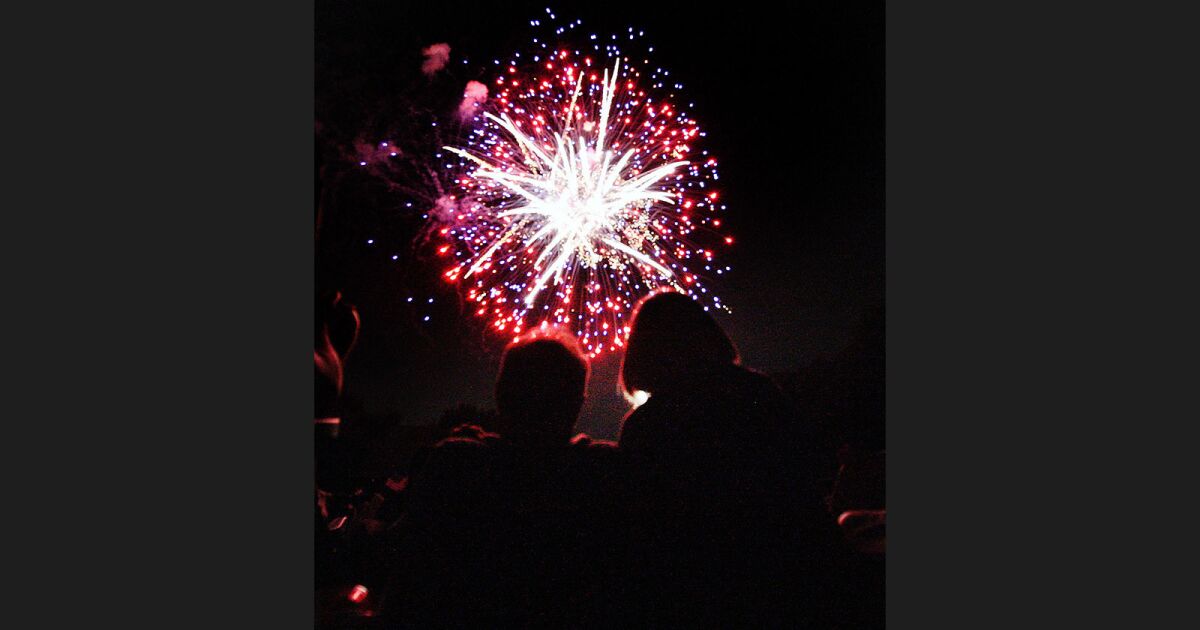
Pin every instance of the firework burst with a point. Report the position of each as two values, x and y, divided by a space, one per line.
580 189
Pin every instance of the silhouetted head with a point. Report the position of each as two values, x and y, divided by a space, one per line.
540 389
672 339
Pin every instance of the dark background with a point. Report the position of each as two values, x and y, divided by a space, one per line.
792 99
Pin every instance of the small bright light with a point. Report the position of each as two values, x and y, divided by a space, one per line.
639 398
358 593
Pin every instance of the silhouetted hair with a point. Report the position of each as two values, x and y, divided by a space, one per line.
541 386
671 339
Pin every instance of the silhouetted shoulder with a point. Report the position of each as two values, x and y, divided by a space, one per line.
643 427
585 442
599 459
761 390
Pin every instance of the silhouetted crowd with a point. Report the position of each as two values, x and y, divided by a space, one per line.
715 508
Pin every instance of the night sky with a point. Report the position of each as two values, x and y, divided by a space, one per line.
792 100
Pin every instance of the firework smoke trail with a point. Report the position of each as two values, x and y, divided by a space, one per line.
579 191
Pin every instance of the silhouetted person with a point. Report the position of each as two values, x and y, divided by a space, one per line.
507 529
337 326
725 526
336 333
